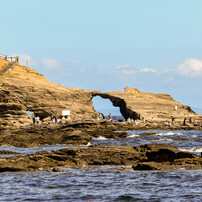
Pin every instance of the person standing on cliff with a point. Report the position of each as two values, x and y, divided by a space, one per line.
184 122
173 120
110 116
37 119
33 119
190 120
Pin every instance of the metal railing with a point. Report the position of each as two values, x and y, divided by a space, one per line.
10 58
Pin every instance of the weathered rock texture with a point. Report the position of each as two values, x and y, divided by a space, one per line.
134 104
145 157
23 89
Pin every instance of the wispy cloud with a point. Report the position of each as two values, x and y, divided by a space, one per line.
148 70
122 71
191 68
125 66
50 63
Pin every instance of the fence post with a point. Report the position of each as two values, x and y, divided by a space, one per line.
17 59
5 57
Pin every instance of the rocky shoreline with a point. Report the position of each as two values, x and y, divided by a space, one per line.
77 133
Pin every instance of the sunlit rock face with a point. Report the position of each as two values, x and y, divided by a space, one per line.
136 104
23 89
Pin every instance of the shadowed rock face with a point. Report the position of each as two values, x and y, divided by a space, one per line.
23 89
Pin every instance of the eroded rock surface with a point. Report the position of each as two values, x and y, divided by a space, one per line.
102 155
23 89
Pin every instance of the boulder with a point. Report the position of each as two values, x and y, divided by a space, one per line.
163 155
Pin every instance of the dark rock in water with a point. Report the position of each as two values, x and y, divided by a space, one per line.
144 166
185 155
122 135
180 139
56 170
153 159
162 155
154 166
10 169
144 134
155 147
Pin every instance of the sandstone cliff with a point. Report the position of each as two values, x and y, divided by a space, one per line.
134 104
23 89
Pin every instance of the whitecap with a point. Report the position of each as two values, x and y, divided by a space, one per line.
99 138
88 145
194 149
161 140
197 149
167 139
168 133
133 135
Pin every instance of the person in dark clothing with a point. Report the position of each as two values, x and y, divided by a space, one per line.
173 120
184 122
190 120
33 120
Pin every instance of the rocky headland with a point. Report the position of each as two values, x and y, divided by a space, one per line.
23 89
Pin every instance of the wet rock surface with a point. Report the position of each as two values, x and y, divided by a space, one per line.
143 157
153 158
3 152
72 133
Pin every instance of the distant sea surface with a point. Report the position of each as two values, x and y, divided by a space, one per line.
109 183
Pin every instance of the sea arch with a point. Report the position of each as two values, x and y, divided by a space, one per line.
118 102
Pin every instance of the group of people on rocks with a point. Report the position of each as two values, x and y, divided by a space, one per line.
184 121
55 120
35 120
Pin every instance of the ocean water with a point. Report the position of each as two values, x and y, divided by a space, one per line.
109 183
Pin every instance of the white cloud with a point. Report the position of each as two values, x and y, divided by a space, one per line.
50 63
122 66
148 70
191 68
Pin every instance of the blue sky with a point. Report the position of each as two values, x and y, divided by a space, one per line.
154 46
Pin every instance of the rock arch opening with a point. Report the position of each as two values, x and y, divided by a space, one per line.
105 106
118 102
30 112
